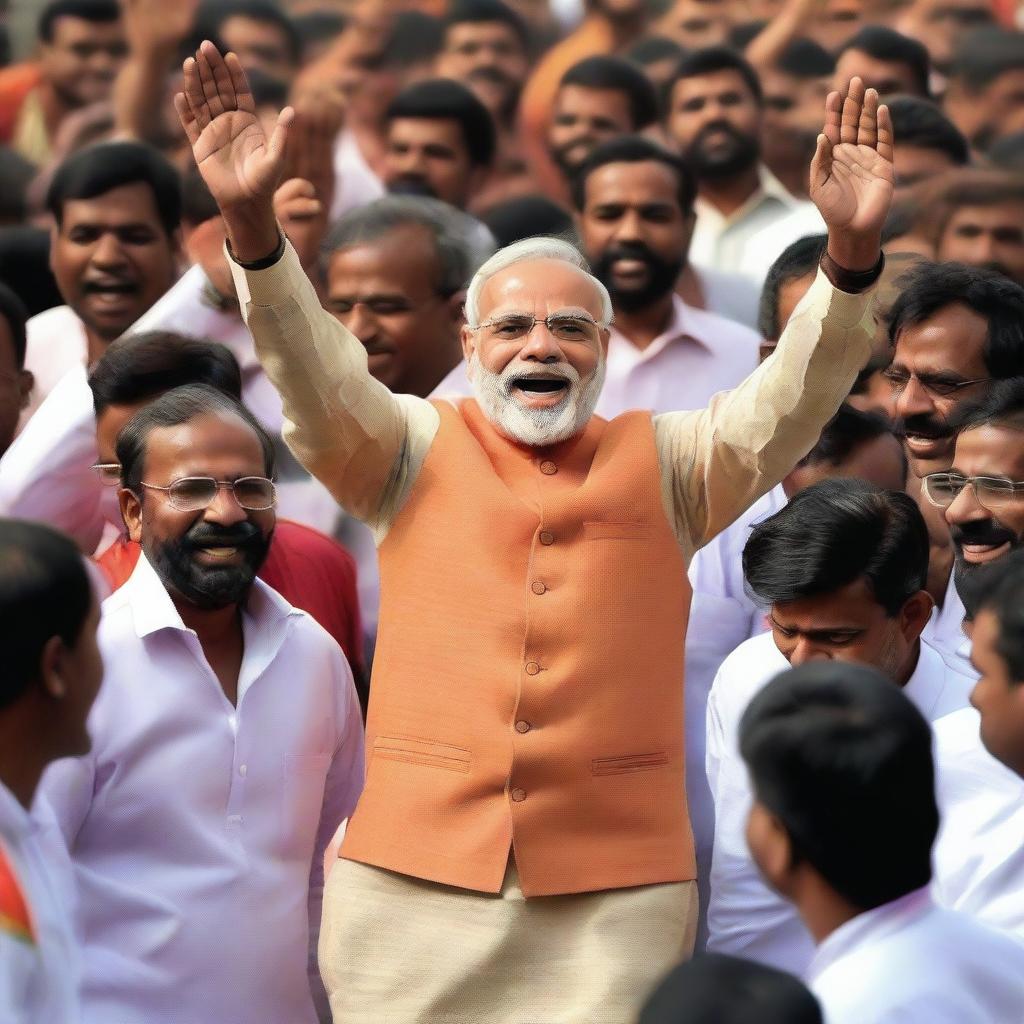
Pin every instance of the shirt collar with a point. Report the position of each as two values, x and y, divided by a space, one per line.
685 324
926 682
14 819
769 190
866 929
153 610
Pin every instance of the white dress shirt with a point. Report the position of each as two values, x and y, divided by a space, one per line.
945 631
911 962
745 917
721 241
766 244
55 343
38 976
733 296
355 183
979 855
197 827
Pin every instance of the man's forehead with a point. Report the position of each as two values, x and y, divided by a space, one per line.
211 435
708 82
540 284
1010 211
405 251
132 203
991 450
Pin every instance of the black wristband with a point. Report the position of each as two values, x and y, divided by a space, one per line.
265 261
852 281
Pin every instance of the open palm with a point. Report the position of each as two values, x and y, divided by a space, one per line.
237 161
852 172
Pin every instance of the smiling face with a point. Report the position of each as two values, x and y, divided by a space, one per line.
112 258
489 57
429 156
207 558
581 119
538 385
998 697
82 60
987 236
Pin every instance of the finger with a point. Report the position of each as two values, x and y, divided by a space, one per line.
240 84
209 86
221 76
295 188
303 209
851 111
821 162
279 138
833 113
187 118
867 127
192 89
885 136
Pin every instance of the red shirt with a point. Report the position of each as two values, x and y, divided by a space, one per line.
307 568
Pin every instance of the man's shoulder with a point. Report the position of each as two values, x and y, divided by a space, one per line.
715 330
746 671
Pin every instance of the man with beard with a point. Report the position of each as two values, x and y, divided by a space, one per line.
842 568
441 142
533 576
227 743
715 118
634 205
115 244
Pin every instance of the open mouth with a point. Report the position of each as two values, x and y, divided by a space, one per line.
114 293
540 385
981 553
219 554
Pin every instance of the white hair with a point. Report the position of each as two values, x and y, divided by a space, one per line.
539 248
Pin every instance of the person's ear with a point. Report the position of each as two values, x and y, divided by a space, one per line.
468 344
26 382
914 615
131 513
52 664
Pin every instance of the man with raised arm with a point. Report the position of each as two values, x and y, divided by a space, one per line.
522 849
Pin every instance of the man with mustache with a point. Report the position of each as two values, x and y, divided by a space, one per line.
714 116
227 743
526 718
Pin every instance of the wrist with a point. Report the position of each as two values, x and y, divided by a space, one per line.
856 255
252 231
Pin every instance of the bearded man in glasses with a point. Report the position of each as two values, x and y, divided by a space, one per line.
522 851
227 743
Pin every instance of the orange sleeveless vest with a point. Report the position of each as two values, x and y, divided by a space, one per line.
528 678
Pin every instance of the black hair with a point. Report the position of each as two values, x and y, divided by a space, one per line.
620 75
1007 153
740 36
441 99
718 58
44 592
849 430
172 409
928 287
415 39
652 49
798 259
214 13
13 310
25 267
107 165
804 58
138 367
267 91
843 759
836 532
318 26
16 174
1002 405
716 989
100 11
464 12
887 44
986 54
919 122
634 149
1001 595
197 202
525 217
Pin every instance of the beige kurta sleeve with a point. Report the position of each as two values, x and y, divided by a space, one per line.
363 443
716 462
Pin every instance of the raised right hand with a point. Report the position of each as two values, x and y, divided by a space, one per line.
240 166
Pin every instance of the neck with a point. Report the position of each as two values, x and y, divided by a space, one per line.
55 109
909 667
822 909
21 763
627 28
690 289
727 195
213 626
95 345
641 326
940 566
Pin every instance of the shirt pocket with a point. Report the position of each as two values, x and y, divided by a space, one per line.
628 764
616 531
428 753
305 776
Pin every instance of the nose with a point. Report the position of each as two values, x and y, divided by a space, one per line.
541 345
965 508
361 322
108 251
224 509
628 229
914 400
806 650
411 160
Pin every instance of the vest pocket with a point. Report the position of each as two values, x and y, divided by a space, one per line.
616 531
629 763
425 752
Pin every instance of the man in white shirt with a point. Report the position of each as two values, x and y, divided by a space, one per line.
52 673
117 211
634 203
714 117
227 745
843 822
842 568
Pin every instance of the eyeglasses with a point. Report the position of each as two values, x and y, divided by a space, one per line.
936 386
108 472
195 493
993 493
563 327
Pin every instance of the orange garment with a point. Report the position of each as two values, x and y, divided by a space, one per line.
307 568
513 707
15 919
16 82
593 37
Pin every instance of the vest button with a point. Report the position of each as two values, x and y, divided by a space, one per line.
538 587
532 668
519 795
548 468
547 538
522 726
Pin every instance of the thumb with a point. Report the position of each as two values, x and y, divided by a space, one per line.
279 140
821 162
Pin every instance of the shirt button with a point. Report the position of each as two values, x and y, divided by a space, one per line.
538 587
547 538
519 795
532 668
243 770
522 726
548 468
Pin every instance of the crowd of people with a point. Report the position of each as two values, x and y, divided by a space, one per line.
512 512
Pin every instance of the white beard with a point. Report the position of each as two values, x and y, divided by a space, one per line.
536 427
